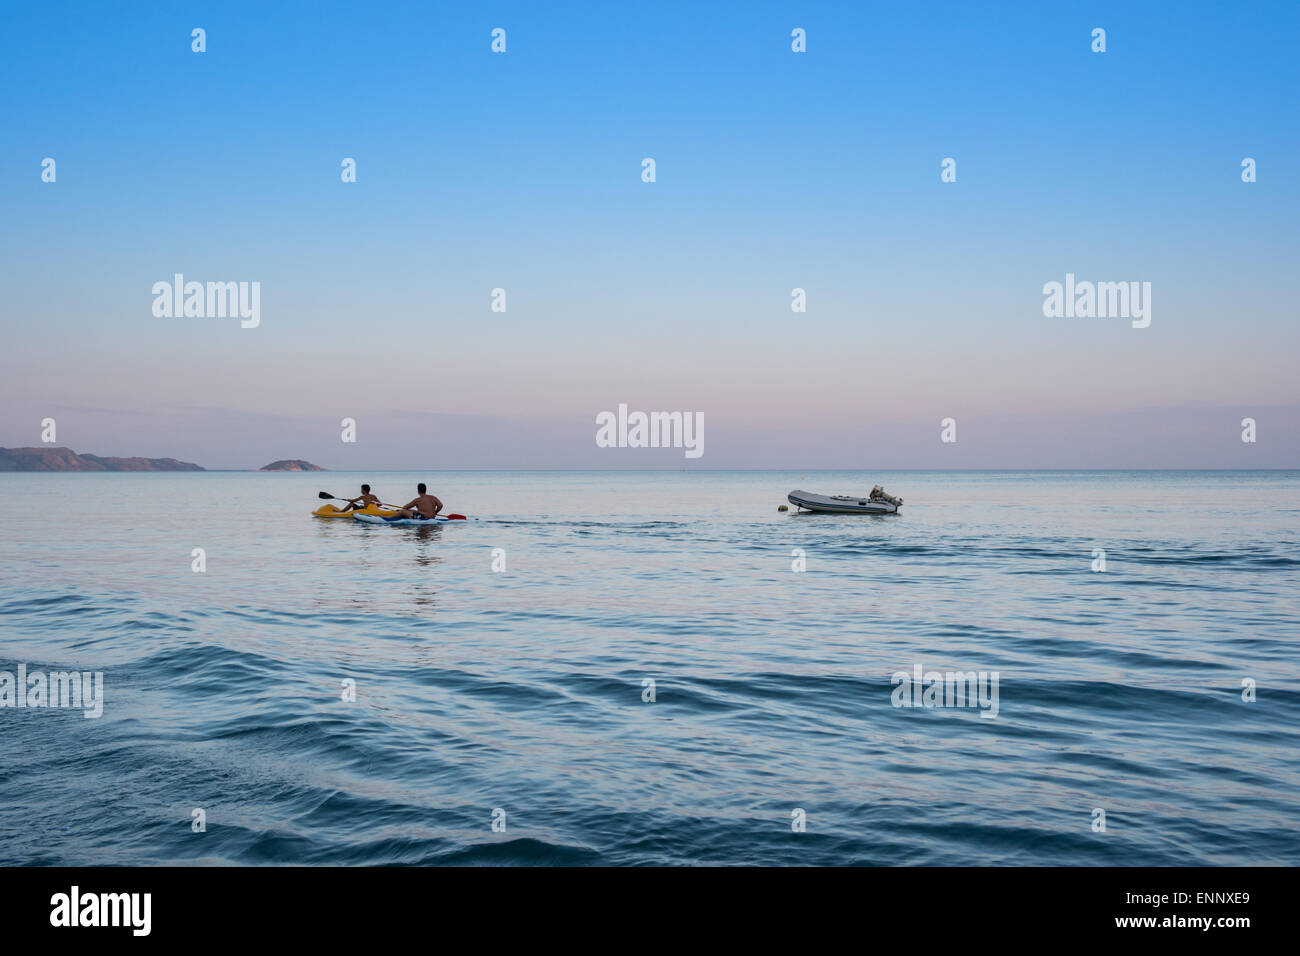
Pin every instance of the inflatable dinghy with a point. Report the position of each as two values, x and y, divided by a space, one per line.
875 503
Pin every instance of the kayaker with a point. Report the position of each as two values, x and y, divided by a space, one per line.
423 505
366 499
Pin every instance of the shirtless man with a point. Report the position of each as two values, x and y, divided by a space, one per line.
366 499
424 505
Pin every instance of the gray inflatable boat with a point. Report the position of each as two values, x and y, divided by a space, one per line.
875 503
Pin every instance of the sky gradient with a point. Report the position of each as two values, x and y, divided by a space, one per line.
775 170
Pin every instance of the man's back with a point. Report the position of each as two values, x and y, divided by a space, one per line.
428 505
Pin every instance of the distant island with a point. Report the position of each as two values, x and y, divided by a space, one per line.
291 464
65 459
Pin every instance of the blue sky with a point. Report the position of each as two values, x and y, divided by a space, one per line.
775 170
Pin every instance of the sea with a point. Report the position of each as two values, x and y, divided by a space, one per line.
653 668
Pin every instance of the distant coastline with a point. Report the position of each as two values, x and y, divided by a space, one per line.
61 458
65 459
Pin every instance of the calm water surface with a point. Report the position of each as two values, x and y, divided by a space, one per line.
522 690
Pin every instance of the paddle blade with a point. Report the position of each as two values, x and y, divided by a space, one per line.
325 495
455 517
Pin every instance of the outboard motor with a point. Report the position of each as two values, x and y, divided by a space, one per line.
879 494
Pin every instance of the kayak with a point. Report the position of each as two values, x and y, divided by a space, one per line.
329 511
378 519
842 504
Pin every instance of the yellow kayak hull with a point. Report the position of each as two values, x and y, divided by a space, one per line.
329 511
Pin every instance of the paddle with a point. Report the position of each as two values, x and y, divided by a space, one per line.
326 496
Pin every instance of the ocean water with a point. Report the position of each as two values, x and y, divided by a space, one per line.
517 694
